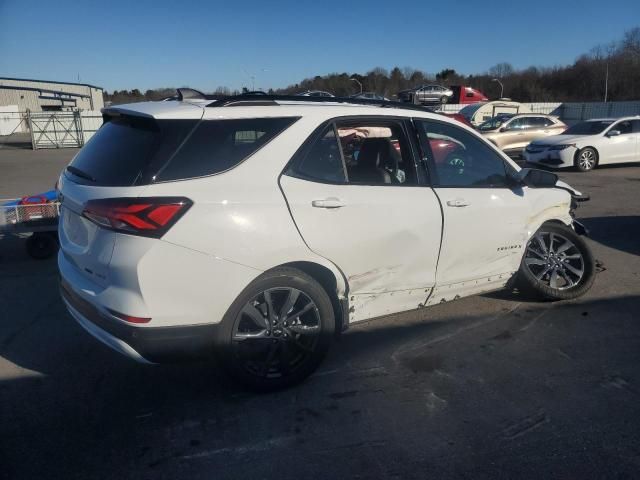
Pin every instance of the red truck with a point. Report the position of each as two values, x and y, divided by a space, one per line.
462 94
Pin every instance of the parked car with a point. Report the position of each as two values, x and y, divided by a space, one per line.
589 144
478 113
426 94
315 93
257 233
369 96
466 95
512 133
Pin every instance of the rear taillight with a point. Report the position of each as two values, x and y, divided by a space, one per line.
149 217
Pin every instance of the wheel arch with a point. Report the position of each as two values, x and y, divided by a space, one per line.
333 283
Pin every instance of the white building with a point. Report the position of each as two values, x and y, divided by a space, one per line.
46 96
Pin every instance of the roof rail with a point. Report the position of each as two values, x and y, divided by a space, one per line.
264 100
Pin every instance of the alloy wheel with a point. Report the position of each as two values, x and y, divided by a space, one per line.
276 332
587 159
554 260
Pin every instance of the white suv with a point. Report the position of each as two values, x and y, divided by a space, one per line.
257 228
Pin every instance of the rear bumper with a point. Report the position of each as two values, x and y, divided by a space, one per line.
143 344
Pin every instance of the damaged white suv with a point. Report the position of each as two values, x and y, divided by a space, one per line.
257 227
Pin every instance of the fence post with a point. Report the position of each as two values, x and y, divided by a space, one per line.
79 128
34 144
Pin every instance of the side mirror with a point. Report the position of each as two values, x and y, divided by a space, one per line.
613 133
534 178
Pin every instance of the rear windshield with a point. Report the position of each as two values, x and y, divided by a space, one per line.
588 128
129 151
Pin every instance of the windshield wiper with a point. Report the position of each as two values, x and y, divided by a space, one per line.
79 173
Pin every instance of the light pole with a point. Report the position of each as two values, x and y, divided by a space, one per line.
501 86
253 77
606 82
358 82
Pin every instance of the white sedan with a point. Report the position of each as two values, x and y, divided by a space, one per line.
589 144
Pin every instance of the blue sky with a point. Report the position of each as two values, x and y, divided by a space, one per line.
148 44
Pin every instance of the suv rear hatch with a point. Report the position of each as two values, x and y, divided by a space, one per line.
103 187
117 163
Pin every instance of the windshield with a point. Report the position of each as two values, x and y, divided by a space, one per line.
588 128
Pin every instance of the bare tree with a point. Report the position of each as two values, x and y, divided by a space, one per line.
501 70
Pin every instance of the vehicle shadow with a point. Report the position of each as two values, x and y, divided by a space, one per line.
619 232
67 393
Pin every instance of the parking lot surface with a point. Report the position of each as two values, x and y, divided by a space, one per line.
495 386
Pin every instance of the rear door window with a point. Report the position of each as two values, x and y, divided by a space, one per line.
324 161
218 145
361 152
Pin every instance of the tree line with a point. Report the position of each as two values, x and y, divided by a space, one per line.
611 71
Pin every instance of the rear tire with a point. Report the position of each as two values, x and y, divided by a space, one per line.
557 264
586 159
277 332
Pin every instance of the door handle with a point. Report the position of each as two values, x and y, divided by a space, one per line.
458 202
331 202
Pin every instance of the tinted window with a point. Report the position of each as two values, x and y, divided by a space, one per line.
547 122
636 126
494 123
124 149
518 123
218 145
376 153
323 162
588 128
623 127
536 122
457 158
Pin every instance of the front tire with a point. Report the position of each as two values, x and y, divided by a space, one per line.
278 330
557 264
444 99
586 159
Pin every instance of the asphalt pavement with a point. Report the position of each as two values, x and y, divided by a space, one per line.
488 387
